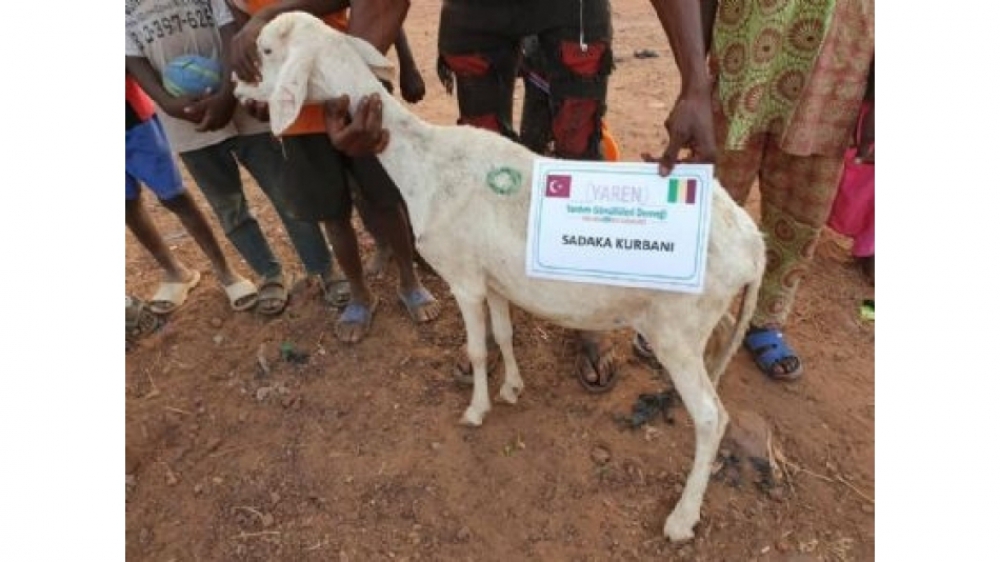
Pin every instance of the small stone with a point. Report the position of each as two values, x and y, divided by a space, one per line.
216 322
289 400
600 455
275 498
464 534
435 446
217 338
263 392
267 520
242 416
171 478
213 444
197 489
217 480
869 509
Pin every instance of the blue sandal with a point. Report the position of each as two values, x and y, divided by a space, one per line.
359 315
772 355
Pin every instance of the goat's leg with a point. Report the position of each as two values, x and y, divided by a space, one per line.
503 333
680 356
473 314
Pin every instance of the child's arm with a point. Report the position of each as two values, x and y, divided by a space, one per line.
217 109
150 81
411 83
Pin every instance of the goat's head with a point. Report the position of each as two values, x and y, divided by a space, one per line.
290 47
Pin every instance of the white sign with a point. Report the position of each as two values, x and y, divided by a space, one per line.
620 223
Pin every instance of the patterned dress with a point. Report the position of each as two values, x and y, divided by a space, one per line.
789 77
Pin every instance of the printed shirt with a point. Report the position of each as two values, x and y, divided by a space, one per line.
159 31
796 69
310 119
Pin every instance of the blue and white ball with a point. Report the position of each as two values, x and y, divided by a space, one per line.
192 75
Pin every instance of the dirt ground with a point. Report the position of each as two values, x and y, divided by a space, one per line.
356 453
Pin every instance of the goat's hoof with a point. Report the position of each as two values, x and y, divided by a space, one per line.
510 392
679 529
472 417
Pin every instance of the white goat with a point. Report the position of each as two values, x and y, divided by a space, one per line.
475 238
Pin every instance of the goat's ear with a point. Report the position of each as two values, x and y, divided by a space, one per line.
290 89
381 66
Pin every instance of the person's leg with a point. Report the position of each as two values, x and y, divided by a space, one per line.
261 155
796 195
138 221
578 80
477 42
388 219
215 171
536 111
148 158
322 194
355 321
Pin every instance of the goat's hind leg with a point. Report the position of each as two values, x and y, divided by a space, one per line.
503 333
473 315
681 355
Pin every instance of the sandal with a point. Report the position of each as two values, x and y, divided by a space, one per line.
416 301
242 294
140 320
336 290
272 297
171 294
357 314
772 355
594 360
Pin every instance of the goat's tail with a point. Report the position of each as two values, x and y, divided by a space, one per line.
740 326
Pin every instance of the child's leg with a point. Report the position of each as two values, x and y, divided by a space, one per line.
389 220
186 210
321 194
215 171
261 155
139 222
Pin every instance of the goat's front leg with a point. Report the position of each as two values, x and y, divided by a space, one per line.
503 333
687 371
473 314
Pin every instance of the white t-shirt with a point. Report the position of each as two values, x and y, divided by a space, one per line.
161 30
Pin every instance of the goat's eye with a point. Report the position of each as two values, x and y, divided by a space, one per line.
267 51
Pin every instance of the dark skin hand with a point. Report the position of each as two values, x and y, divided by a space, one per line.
180 107
208 111
689 124
217 109
362 135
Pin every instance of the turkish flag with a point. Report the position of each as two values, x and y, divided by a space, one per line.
558 186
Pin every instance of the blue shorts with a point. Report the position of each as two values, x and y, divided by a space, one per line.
148 159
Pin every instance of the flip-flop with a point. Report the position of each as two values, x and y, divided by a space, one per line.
273 289
415 300
356 313
171 294
240 290
139 320
336 290
769 350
